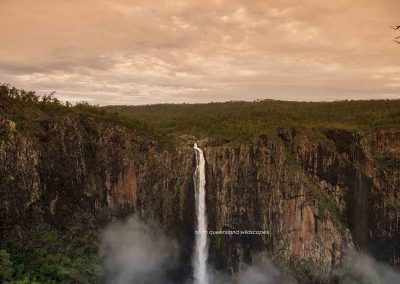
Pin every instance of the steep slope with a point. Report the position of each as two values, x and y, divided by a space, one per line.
80 173
316 193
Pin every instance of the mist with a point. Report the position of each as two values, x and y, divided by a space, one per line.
265 273
360 268
135 252
138 252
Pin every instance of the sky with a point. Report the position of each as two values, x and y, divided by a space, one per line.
149 51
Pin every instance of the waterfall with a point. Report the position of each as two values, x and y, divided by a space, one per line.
201 246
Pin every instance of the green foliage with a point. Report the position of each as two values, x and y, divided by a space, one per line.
5 266
235 121
28 110
241 121
335 214
55 257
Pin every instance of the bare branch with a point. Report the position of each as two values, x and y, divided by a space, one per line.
396 39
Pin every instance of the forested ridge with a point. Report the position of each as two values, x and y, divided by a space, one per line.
236 121
241 121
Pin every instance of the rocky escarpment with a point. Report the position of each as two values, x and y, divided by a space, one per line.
77 165
262 187
316 193
384 208
73 172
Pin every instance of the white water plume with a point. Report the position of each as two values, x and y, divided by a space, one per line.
201 246
135 252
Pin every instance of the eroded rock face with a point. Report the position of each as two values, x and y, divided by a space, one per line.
384 147
316 193
263 187
77 165
19 180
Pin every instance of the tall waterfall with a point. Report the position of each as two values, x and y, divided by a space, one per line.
201 246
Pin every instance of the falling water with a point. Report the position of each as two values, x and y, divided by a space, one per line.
201 246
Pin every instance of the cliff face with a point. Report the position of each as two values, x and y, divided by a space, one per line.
384 210
76 165
264 187
316 193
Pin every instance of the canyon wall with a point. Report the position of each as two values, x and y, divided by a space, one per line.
316 193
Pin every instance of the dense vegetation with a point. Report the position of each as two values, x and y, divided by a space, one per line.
50 256
235 121
28 109
243 120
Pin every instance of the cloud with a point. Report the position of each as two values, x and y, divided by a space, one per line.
188 51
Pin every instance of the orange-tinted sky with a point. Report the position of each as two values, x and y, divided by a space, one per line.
139 52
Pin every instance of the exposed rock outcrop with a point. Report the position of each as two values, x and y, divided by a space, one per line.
316 193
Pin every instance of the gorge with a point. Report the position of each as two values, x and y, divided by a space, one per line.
318 191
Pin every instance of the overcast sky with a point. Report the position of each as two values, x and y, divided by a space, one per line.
141 52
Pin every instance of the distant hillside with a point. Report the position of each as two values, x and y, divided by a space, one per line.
243 120
235 121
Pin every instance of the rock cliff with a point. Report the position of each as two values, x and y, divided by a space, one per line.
315 192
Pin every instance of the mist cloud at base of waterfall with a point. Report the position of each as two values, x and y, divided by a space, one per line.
360 268
135 252
265 273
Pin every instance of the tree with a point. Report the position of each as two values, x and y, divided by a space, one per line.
48 99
